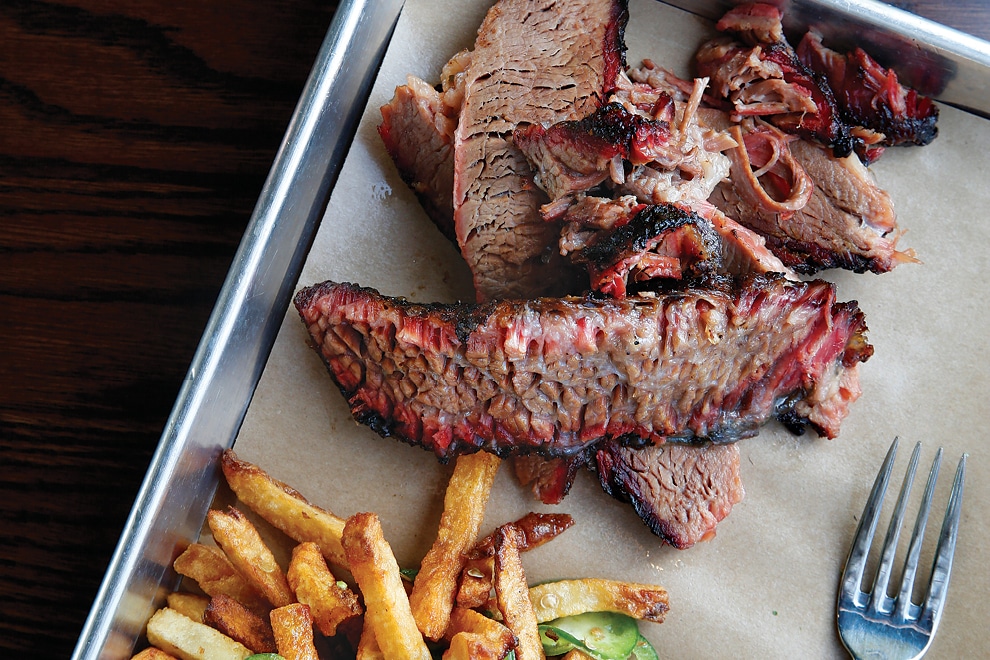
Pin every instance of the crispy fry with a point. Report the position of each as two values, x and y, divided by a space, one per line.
151 653
186 639
239 623
314 584
512 594
476 582
368 648
482 637
284 507
574 654
245 549
470 646
567 597
214 574
190 605
537 529
433 592
293 627
374 567
476 577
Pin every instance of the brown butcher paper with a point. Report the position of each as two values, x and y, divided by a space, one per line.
765 586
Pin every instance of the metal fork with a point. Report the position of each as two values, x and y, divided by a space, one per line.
873 624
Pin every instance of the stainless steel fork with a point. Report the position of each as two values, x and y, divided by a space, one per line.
873 624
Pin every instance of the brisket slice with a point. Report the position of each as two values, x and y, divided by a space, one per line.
681 492
870 95
534 62
418 132
419 137
760 75
848 221
549 479
662 241
555 376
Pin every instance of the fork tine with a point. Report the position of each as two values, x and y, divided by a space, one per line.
904 602
852 574
879 600
935 600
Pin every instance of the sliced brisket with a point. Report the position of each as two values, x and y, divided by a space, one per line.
871 96
681 492
847 222
419 137
661 241
760 75
534 62
555 376
549 479
743 250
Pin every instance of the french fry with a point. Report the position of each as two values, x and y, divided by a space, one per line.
293 627
151 653
481 637
186 639
574 654
373 565
512 594
435 588
214 574
190 605
455 580
314 584
284 507
470 646
239 623
368 648
476 582
240 541
476 577
537 529
567 597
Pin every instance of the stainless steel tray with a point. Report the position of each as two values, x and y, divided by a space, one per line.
182 479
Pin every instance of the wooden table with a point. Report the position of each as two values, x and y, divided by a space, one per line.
135 136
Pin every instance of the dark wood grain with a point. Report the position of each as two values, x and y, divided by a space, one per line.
134 139
970 16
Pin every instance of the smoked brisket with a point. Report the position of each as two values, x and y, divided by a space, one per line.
419 137
534 62
554 376
847 222
681 492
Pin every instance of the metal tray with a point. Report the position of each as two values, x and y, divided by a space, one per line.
182 478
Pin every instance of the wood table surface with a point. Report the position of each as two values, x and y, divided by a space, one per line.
135 136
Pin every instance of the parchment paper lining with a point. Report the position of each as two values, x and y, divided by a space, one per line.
765 587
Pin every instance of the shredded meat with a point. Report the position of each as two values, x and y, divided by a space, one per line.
660 241
761 75
871 96
574 156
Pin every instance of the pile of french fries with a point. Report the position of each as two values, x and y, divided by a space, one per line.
469 597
